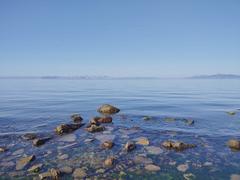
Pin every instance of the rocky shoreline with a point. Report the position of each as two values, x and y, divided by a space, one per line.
100 150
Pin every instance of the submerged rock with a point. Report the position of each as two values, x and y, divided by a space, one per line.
189 121
169 119
29 136
79 173
129 146
23 162
142 141
66 170
231 113
109 161
234 144
235 177
147 118
51 174
67 128
94 128
182 167
152 167
108 109
39 142
154 150
76 118
189 176
35 168
142 160
107 145
68 138
177 145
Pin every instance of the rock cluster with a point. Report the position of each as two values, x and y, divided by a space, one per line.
177 145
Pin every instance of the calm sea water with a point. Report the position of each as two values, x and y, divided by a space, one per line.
39 105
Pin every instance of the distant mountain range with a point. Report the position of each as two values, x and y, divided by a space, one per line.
214 76
217 76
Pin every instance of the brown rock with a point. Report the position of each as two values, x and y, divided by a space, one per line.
108 109
22 163
152 167
77 118
129 146
35 168
94 128
109 161
234 144
67 128
177 145
79 173
53 174
107 144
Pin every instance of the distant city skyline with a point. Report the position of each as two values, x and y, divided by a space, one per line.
137 38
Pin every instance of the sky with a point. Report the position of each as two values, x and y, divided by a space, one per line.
162 38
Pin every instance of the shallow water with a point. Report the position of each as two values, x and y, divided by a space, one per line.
40 105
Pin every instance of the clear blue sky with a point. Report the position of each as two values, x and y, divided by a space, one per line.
119 37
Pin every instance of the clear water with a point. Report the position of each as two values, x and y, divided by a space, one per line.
39 105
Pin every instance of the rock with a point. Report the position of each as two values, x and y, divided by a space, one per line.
94 128
88 140
67 128
29 136
235 177
189 121
76 118
129 146
182 167
142 141
107 145
234 144
68 138
63 156
66 170
152 167
108 109
79 173
3 149
109 161
147 118
142 160
18 152
169 119
52 174
177 145
100 171
39 142
208 164
154 150
105 137
231 113
106 119
35 168
23 162
189 176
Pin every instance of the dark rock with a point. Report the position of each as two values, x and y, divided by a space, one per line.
29 136
77 118
177 145
108 109
39 142
109 161
234 144
98 120
23 162
189 121
129 146
107 144
67 128
94 128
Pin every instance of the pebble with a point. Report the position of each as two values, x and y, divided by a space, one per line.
152 167
183 167
79 173
142 141
66 170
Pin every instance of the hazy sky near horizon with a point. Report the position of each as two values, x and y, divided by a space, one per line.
119 38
